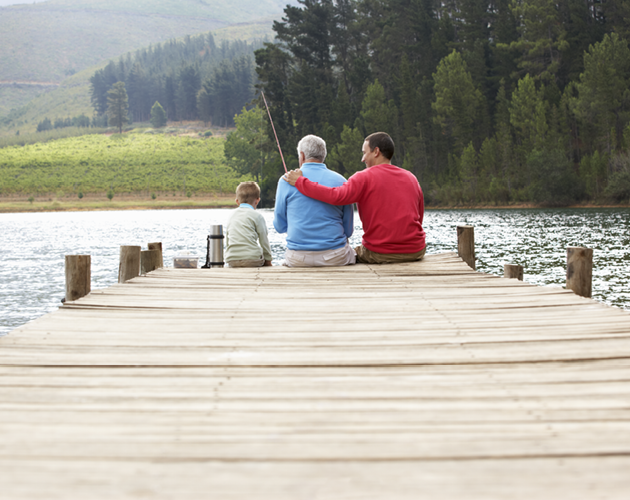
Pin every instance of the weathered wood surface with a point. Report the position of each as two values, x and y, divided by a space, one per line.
466 245
78 270
580 270
157 246
407 381
513 271
150 260
129 266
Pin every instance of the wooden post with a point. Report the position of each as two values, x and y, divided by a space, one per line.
129 263
149 260
157 246
78 276
466 244
513 271
580 270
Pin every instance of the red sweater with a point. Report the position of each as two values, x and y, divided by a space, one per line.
390 203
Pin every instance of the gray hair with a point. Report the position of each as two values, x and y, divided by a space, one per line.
312 147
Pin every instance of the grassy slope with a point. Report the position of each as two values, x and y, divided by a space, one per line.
12 96
131 163
72 97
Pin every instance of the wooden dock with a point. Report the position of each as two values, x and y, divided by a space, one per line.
409 381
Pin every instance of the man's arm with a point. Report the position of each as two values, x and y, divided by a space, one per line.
348 220
346 194
280 210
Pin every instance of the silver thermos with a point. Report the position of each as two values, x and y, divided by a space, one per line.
214 255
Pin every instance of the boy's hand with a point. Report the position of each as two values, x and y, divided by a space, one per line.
268 263
292 176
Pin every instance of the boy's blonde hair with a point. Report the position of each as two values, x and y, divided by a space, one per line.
247 192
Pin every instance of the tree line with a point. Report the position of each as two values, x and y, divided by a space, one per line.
192 79
81 121
498 101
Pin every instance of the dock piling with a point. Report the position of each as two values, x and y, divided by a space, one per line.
150 260
466 244
580 270
129 266
78 276
513 271
157 246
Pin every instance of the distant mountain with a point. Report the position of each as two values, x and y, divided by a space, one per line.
44 43
71 97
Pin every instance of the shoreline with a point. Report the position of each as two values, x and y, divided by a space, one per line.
89 204
15 203
56 205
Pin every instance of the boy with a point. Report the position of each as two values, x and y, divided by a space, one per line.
245 228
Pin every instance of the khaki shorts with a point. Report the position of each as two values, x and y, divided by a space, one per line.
338 257
366 256
247 263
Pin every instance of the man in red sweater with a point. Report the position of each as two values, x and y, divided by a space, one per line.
389 199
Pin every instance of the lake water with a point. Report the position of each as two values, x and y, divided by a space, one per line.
33 246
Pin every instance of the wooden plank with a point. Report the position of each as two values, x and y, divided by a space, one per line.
362 381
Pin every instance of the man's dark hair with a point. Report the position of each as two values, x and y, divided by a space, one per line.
382 141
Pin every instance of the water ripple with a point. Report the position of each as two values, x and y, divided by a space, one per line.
33 246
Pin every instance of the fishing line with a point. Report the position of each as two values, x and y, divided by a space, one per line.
274 131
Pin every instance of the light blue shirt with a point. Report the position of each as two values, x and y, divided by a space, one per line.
310 224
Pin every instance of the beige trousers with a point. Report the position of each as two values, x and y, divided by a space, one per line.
247 263
366 256
302 258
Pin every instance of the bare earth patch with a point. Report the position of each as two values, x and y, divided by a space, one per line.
53 203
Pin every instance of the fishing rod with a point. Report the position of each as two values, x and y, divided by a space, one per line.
274 131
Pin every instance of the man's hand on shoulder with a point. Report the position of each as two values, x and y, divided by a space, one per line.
292 176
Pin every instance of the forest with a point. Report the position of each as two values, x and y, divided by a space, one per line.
193 79
495 102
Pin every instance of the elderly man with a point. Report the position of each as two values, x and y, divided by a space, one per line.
389 199
317 233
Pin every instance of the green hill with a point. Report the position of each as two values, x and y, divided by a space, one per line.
128 163
48 42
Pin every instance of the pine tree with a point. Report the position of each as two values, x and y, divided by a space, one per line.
528 114
604 99
204 101
189 86
273 66
377 113
457 102
117 106
469 171
44 125
346 154
158 115
542 38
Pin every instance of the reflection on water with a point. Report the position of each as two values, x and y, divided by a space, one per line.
33 246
